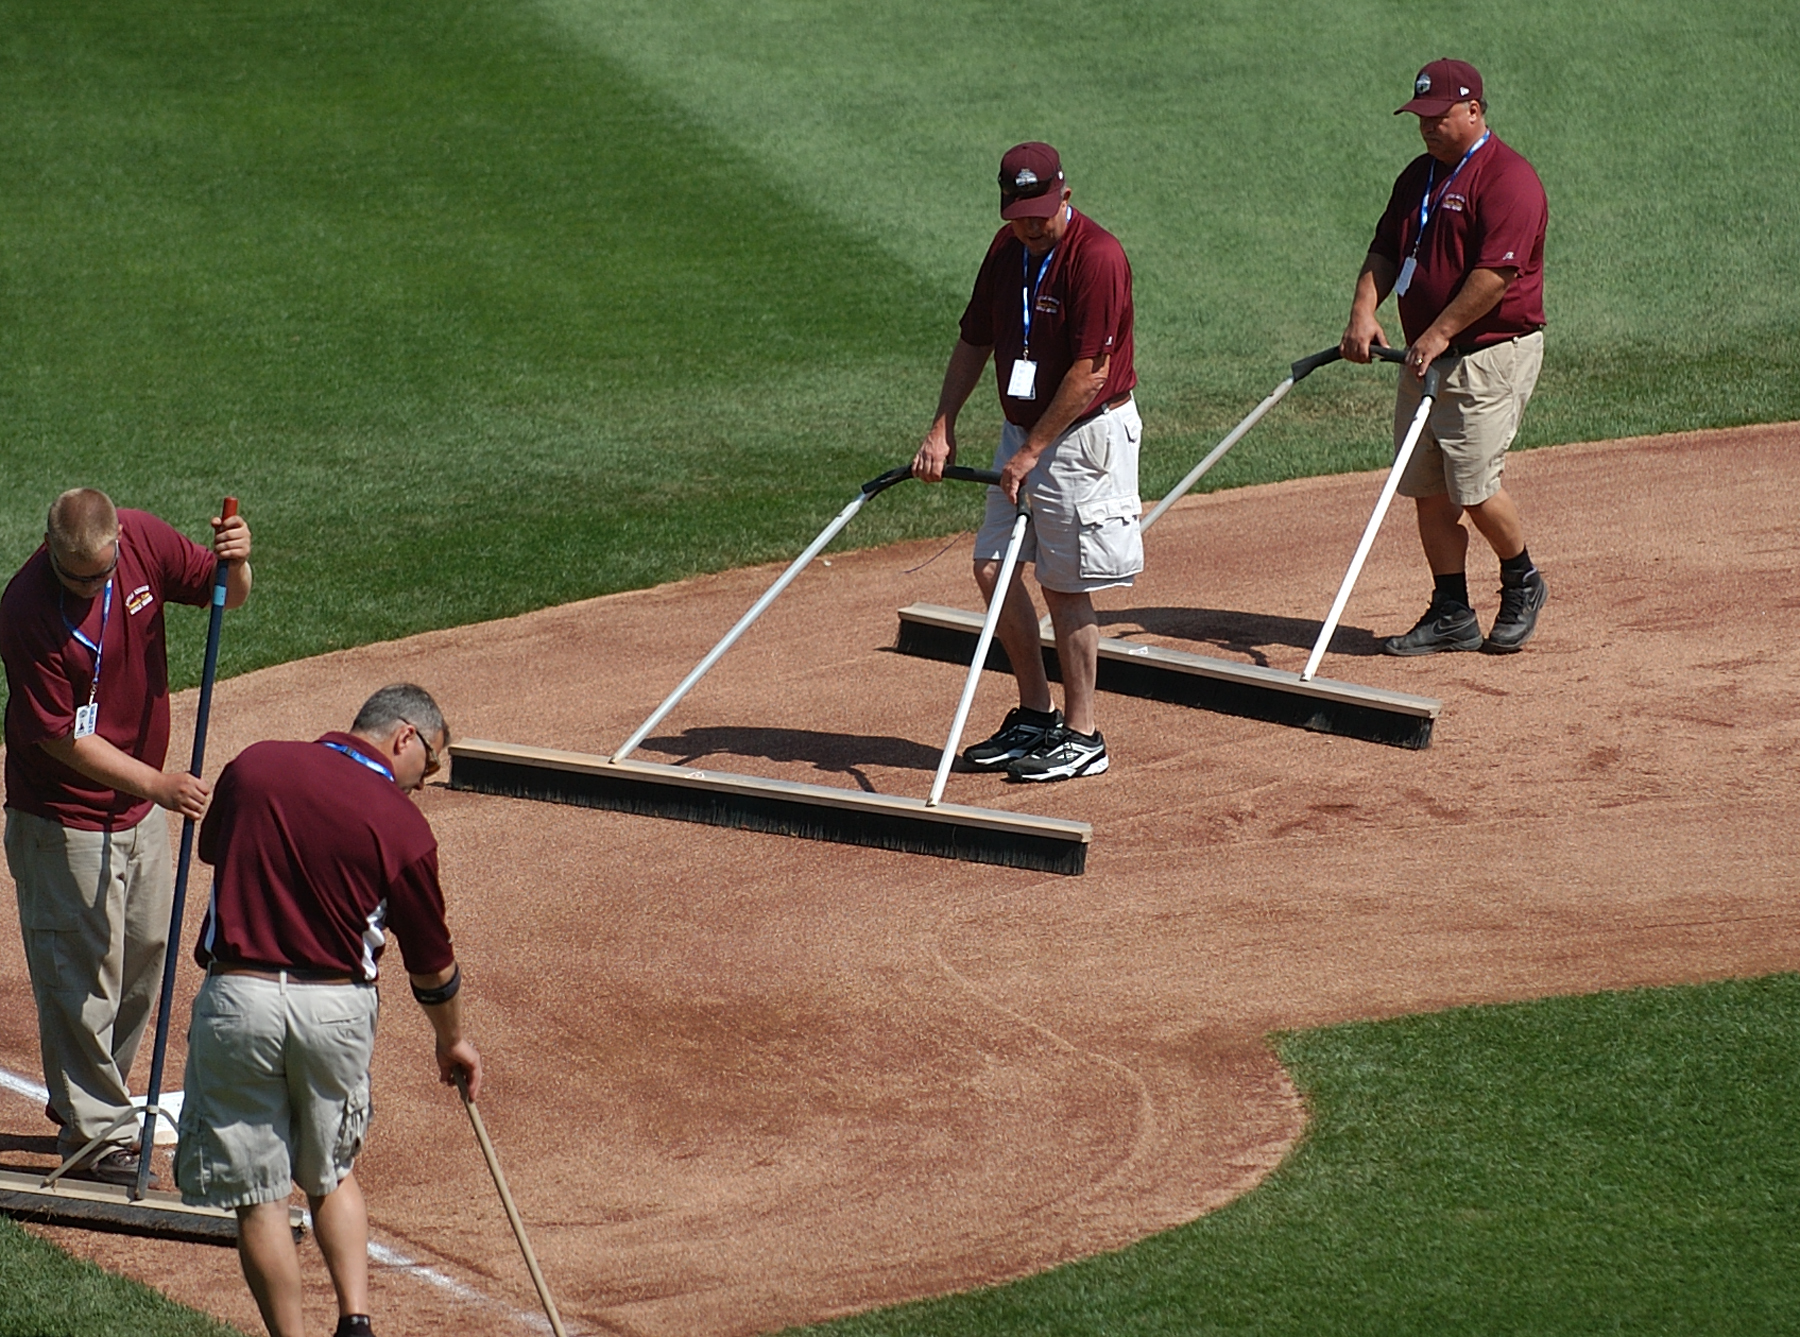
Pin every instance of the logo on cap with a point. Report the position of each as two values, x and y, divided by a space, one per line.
1422 85
1025 178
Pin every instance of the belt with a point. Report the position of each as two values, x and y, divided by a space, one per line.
280 976
1110 406
1463 350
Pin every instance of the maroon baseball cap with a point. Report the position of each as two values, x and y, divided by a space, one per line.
1031 182
1441 85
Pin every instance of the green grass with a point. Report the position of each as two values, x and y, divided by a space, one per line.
46 1293
1620 1163
485 306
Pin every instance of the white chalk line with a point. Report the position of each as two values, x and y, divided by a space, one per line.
379 1254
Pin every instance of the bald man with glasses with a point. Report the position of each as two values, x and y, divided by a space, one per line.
87 733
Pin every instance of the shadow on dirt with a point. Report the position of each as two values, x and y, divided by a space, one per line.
1246 634
830 753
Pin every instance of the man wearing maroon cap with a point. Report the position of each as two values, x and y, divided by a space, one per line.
317 852
87 730
1462 246
1052 307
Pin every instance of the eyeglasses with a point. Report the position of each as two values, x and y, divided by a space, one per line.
431 756
98 578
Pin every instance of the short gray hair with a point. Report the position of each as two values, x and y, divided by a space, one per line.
396 704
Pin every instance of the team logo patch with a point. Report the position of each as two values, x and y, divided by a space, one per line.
1025 179
1422 85
1048 305
139 599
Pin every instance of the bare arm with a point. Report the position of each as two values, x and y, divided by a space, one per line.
1373 285
1080 384
454 1053
117 769
1480 293
967 362
231 543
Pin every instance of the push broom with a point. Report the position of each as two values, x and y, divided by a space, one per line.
819 812
1228 687
54 1200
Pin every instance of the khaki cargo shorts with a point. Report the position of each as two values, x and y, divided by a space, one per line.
277 1089
1462 448
1084 533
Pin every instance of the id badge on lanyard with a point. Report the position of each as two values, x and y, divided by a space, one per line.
87 718
1411 265
1022 384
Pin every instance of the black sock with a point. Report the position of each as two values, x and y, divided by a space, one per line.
1515 569
1451 589
353 1325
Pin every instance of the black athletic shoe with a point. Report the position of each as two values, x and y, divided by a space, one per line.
113 1165
1063 755
354 1325
1444 627
1021 731
1517 618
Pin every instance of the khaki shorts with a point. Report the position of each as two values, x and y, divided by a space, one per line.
277 1089
1462 448
1084 533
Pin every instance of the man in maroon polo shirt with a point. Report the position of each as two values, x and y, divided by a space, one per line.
87 731
318 852
1052 307
1462 245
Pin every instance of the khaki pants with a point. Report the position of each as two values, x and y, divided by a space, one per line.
94 914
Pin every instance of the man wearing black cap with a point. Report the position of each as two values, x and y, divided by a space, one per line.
1462 247
1052 306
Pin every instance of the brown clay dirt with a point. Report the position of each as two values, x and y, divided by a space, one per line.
740 1081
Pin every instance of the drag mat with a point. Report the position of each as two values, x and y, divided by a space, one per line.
739 1081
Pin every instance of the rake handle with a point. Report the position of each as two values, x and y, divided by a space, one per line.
512 1211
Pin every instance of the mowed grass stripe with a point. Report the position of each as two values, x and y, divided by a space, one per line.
1621 1162
469 320
1243 152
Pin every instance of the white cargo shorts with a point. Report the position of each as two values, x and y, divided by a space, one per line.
1084 534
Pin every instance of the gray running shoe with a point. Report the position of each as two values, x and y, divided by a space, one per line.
111 1165
1517 618
1019 733
1064 755
1444 627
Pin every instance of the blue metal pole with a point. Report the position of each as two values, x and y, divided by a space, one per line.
209 670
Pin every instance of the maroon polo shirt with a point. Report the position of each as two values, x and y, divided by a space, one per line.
314 854
49 671
1083 309
1492 216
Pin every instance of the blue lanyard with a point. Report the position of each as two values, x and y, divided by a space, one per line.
75 631
359 759
1425 199
1028 290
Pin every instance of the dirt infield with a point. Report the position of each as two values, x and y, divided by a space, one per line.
739 1081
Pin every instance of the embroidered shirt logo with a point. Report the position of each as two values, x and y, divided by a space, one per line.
1048 304
139 599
